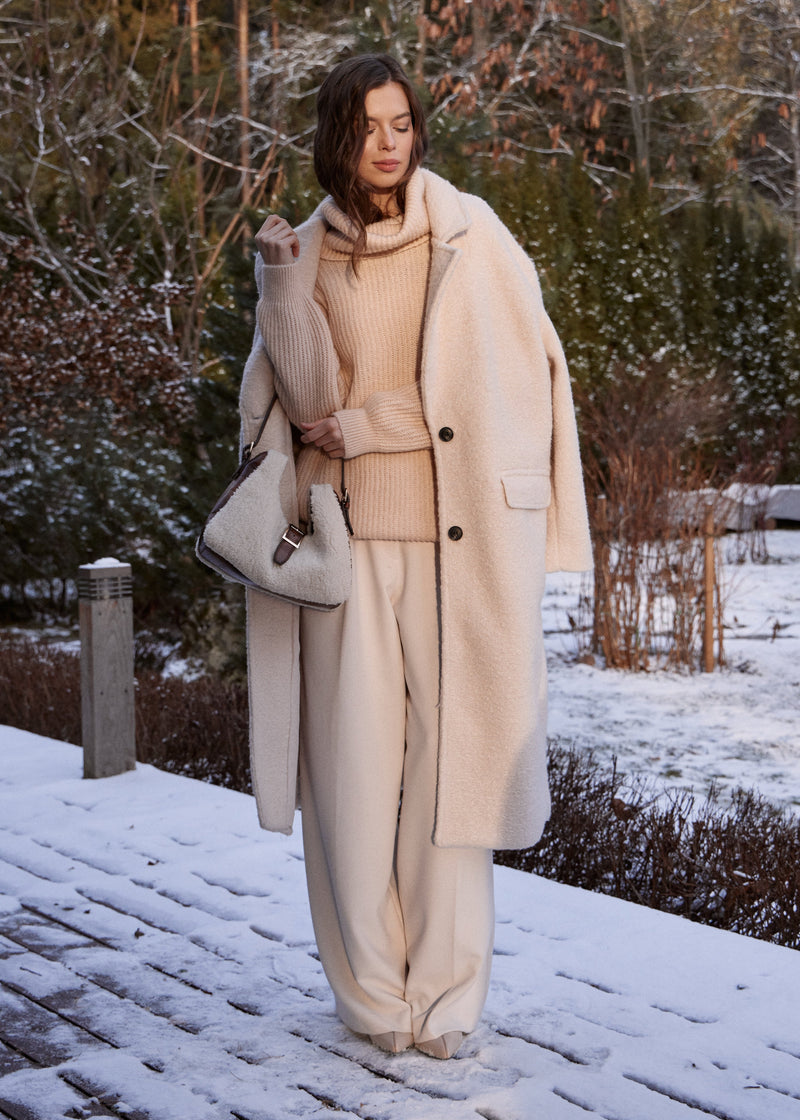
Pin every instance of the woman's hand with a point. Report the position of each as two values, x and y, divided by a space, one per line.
277 242
326 435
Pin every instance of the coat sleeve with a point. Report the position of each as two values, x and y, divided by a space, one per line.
568 541
273 650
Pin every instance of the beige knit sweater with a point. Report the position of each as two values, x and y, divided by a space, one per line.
355 350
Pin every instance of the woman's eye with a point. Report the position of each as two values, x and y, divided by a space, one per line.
402 129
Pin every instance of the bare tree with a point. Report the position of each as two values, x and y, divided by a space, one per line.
769 38
106 155
742 68
243 71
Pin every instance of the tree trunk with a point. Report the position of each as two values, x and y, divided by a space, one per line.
634 93
794 123
243 38
481 14
194 53
174 82
422 38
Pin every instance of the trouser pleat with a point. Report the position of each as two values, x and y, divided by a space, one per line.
404 928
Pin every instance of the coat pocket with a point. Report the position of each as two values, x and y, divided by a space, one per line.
525 489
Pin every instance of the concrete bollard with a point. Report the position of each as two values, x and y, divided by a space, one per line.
105 603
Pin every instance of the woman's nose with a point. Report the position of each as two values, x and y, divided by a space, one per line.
387 139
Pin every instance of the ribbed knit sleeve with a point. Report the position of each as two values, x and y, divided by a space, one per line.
388 421
346 341
297 337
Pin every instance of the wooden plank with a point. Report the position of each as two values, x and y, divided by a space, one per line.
11 1059
38 1034
45 1095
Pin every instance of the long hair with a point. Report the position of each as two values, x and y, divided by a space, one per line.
342 132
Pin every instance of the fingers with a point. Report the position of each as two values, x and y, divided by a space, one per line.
277 242
326 435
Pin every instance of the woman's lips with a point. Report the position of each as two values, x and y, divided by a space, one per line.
387 164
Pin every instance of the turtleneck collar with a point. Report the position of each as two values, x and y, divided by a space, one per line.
386 235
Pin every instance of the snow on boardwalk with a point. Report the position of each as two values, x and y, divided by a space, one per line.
157 961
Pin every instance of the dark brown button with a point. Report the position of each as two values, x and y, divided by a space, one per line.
455 532
445 434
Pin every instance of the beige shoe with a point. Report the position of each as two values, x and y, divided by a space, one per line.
444 1046
394 1042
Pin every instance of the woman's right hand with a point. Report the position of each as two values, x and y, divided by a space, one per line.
277 242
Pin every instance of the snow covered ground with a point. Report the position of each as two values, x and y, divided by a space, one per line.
739 726
157 962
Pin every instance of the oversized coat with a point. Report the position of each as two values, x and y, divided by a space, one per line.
510 505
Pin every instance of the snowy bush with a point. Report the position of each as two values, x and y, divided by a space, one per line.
735 868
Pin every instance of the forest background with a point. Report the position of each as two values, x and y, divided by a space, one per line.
645 153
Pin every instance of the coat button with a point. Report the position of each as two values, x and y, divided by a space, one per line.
455 532
445 434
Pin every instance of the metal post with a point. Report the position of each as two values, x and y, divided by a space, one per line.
105 603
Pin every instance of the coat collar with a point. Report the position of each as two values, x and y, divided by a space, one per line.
449 219
446 211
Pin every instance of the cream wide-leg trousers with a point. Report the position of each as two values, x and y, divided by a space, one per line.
404 929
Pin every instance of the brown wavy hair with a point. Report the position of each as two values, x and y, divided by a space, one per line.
342 132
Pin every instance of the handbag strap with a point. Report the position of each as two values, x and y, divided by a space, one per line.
247 450
344 504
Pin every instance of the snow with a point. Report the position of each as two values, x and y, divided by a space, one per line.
106 562
157 952
174 900
181 934
736 727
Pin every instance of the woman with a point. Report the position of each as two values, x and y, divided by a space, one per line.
403 331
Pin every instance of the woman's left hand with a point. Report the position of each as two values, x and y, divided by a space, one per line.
326 435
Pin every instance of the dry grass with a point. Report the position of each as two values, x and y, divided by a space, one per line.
644 467
40 689
651 480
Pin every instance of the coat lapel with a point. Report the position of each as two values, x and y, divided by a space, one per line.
443 259
448 221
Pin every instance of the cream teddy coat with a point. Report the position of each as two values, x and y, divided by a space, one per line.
510 506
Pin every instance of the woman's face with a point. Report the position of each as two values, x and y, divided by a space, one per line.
389 142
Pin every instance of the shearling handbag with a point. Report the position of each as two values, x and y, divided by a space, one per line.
249 539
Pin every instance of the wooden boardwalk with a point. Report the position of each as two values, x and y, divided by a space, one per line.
157 963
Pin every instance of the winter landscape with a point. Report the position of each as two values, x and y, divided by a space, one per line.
158 961
737 727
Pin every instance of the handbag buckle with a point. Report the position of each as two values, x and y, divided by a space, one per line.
288 544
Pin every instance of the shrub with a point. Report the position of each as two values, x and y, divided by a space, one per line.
644 470
40 689
193 727
735 867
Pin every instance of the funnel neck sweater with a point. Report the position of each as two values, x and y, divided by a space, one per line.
354 350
